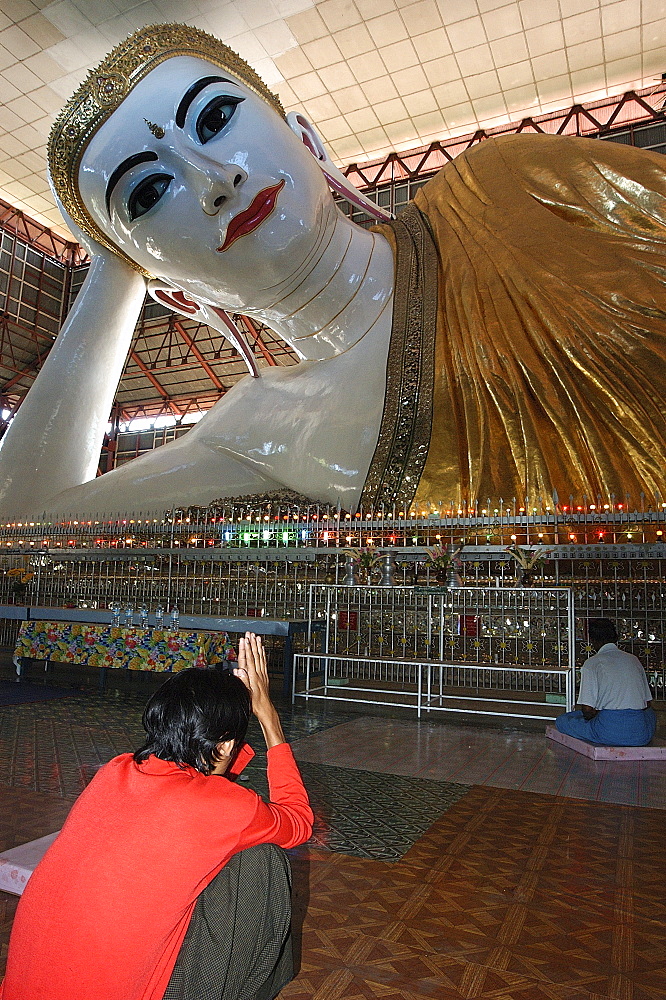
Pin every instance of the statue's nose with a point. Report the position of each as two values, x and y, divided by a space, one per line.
219 186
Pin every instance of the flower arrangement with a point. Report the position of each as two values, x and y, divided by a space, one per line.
442 557
527 560
20 578
447 563
21 575
360 564
365 559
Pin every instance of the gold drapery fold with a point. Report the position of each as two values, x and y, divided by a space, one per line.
551 342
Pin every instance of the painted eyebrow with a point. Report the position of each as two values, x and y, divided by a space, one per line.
122 168
192 92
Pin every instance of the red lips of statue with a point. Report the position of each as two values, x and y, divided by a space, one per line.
247 221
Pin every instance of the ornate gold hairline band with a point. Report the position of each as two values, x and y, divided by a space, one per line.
104 90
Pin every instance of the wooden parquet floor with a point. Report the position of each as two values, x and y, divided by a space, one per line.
24 815
509 896
496 893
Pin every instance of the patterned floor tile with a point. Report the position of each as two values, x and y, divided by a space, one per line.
57 746
499 757
451 930
361 813
12 693
491 892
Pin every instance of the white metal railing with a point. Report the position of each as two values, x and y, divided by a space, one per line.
436 649
533 627
425 686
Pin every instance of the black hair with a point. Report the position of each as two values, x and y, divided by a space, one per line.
601 630
191 713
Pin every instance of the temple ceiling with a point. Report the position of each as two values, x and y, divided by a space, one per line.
372 75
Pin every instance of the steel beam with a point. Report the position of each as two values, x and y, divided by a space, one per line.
256 336
158 385
198 355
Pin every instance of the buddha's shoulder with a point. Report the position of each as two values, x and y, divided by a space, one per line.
499 156
326 379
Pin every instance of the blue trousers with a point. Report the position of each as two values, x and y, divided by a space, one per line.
626 727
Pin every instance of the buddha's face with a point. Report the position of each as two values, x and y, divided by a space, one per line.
224 201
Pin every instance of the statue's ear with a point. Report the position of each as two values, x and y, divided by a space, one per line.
309 136
218 319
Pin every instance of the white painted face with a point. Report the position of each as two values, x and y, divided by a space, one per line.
229 205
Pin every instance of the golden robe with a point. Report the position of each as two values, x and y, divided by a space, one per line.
548 360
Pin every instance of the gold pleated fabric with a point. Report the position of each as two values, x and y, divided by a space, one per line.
551 323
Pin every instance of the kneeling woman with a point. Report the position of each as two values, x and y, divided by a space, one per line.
157 887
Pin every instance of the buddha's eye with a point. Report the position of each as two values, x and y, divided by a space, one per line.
146 194
215 116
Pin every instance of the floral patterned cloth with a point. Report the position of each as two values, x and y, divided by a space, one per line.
128 648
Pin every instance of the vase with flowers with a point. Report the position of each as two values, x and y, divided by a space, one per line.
359 566
20 578
447 563
526 562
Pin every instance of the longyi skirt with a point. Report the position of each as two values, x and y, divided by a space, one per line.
238 944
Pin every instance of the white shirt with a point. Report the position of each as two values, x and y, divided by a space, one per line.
613 679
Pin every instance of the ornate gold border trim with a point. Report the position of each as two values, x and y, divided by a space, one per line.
404 435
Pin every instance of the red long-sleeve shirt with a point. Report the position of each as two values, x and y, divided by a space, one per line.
105 912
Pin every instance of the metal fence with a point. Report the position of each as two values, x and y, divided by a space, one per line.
510 691
260 559
274 583
493 651
529 626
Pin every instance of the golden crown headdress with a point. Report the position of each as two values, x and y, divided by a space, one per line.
105 88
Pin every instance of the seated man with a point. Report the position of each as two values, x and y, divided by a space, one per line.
168 879
614 696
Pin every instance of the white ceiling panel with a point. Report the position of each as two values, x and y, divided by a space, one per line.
372 75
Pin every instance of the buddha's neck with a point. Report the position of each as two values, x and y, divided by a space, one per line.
338 295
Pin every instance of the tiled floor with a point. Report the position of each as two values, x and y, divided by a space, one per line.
56 746
509 895
359 813
473 755
448 861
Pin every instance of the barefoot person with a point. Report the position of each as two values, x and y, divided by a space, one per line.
614 697
168 879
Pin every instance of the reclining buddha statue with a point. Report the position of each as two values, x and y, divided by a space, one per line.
503 337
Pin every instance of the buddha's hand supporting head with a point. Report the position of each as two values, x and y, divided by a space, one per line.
94 249
175 156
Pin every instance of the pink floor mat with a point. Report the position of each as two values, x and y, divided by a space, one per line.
655 751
